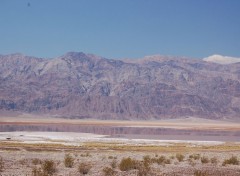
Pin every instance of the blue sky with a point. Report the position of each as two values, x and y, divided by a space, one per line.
120 28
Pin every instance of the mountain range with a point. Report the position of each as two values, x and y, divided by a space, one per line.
79 85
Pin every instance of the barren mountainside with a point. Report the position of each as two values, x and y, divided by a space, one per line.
80 85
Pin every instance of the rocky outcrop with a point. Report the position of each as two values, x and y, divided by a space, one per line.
80 85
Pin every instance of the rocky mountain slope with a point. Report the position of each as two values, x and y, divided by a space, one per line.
80 85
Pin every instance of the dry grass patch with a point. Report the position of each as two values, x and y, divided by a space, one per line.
233 161
36 161
49 167
113 163
214 160
180 157
127 164
85 154
161 160
84 168
37 172
142 167
68 161
107 171
204 160
1 164
200 173
195 156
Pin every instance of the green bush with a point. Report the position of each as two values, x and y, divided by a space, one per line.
84 168
68 161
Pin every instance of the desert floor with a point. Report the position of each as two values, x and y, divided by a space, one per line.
26 152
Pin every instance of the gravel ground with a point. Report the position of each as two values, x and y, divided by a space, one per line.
18 158
20 163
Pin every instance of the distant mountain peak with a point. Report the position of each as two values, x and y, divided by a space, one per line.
216 58
74 54
80 56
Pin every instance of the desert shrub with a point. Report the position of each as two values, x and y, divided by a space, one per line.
107 171
110 157
180 157
200 173
1 164
214 160
127 164
195 156
36 161
84 168
23 161
167 161
86 155
172 157
37 172
114 163
143 171
49 167
143 166
191 162
68 161
147 160
161 160
204 160
233 160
